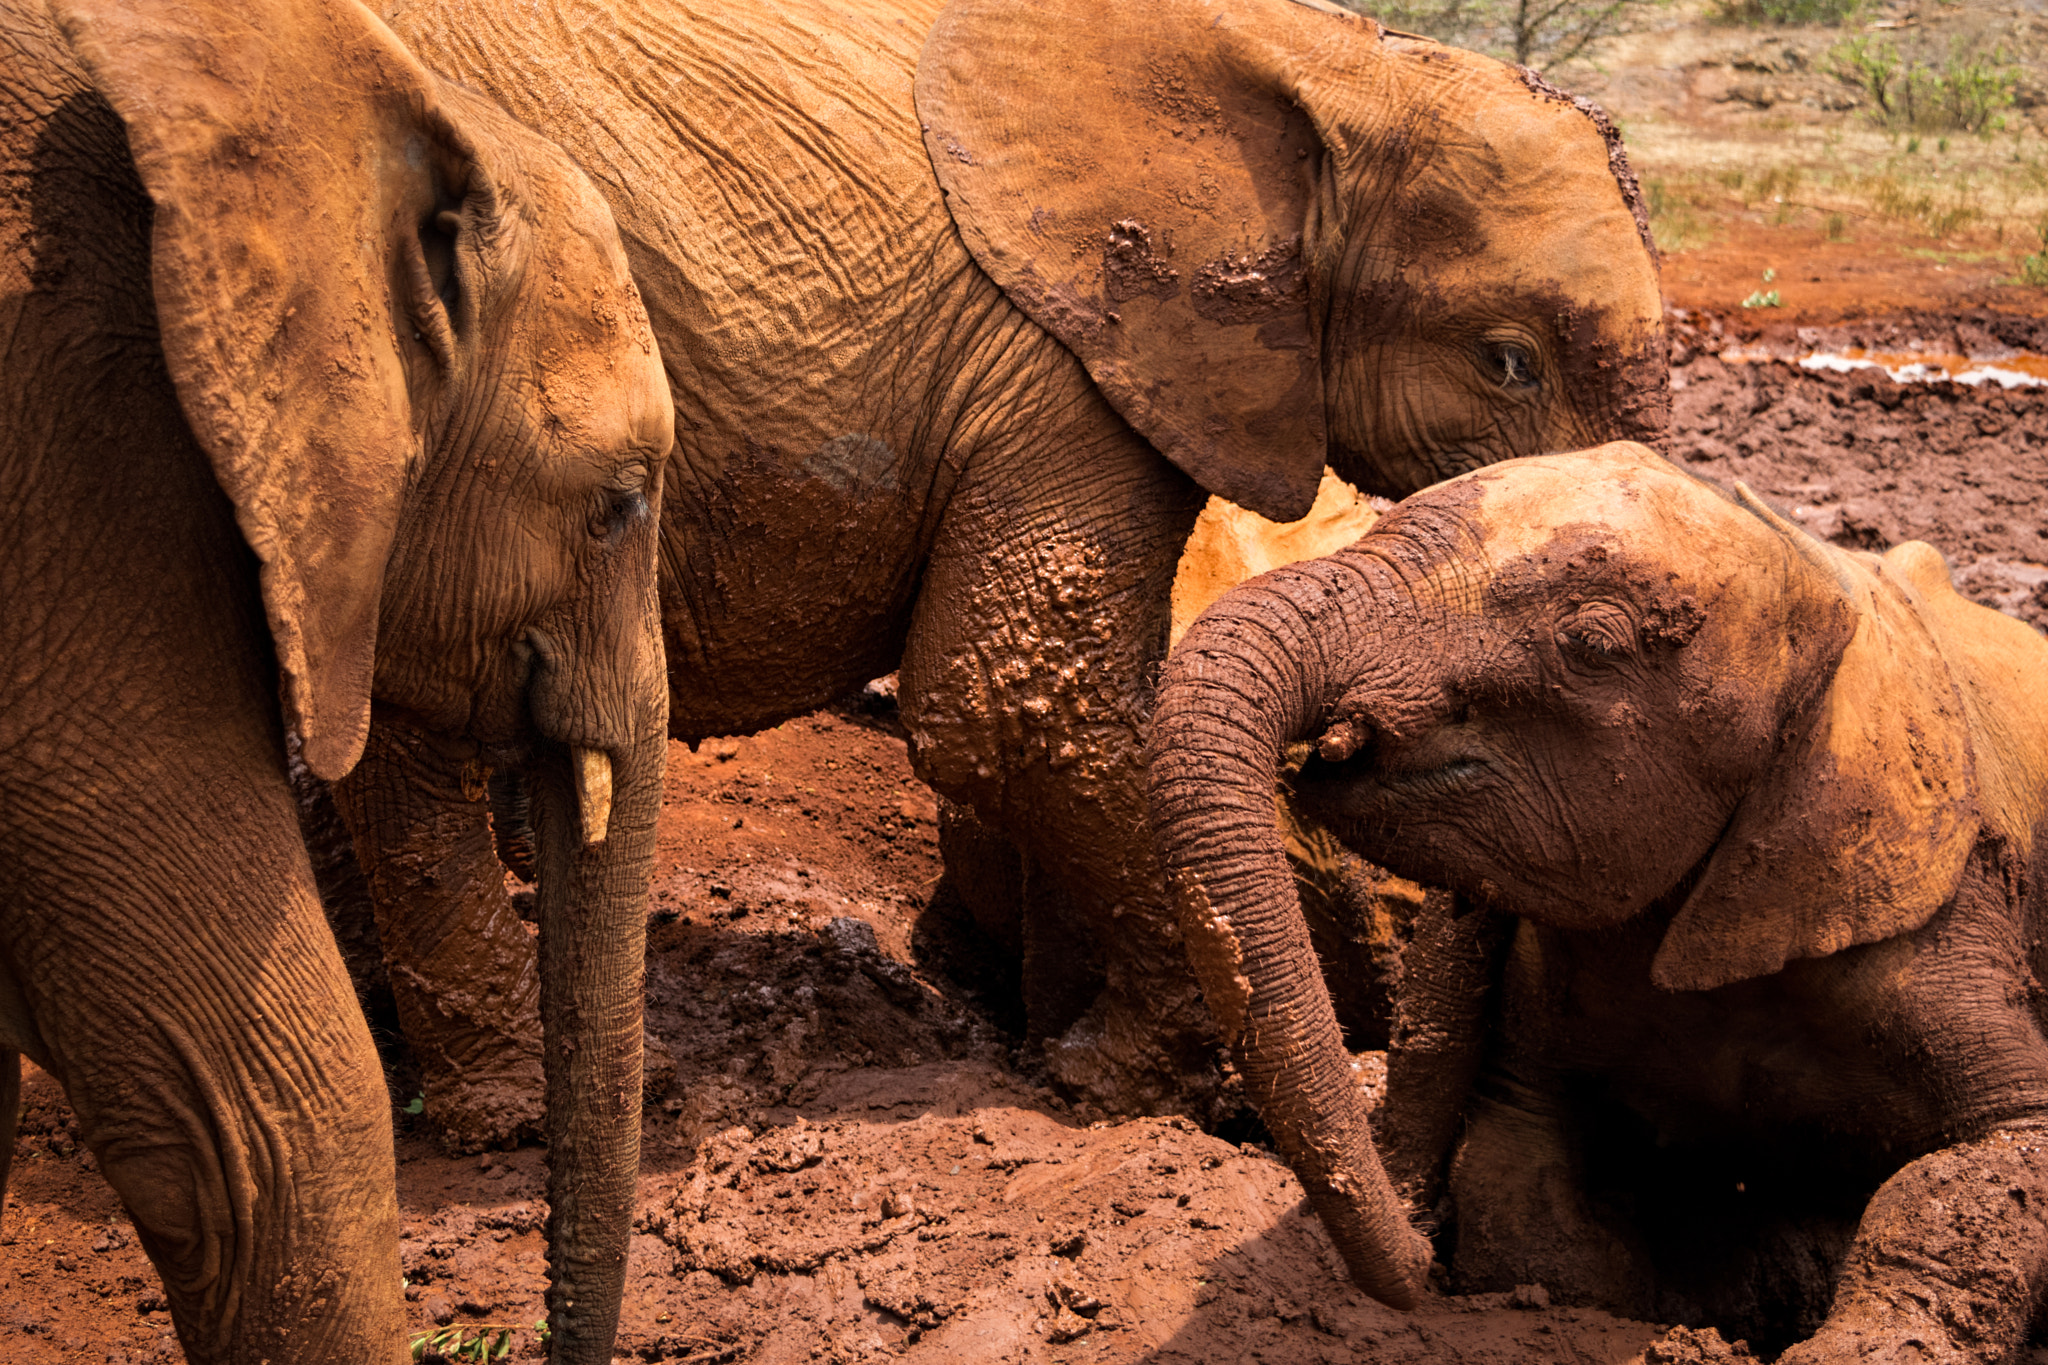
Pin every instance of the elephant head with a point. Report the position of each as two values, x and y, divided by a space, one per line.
1279 236
1576 689
402 329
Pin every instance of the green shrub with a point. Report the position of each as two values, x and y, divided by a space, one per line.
1756 13
2034 268
1675 223
1963 94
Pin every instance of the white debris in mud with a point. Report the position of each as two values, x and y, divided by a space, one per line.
1975 371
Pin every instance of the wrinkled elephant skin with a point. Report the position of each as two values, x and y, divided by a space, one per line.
1765 816
328 390
952 379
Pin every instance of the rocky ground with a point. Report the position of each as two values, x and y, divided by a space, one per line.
1866 462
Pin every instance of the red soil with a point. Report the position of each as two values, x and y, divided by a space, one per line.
1879 269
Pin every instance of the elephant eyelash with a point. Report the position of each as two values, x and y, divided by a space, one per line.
1512 364
1597 632
1593 642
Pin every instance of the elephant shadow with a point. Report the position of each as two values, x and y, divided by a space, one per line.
1746 1238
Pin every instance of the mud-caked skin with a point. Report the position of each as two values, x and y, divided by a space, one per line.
1764 817
324 383
964 311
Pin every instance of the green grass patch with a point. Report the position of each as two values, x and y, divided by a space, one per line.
1757 13
1676 223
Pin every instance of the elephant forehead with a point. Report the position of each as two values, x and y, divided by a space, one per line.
596 368
1539 197
1618 503
1522 502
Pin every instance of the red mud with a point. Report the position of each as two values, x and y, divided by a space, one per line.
845 1156
1884 267
848 1161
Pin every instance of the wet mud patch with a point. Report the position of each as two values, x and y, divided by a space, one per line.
1864 461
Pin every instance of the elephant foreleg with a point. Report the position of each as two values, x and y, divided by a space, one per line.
1949 1260
1027 685
202 1025
1442 1007
463 969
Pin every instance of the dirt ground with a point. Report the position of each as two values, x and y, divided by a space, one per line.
846 1156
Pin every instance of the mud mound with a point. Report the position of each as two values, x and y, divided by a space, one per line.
944 1212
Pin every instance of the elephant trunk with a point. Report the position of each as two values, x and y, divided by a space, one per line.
1250 678
592 909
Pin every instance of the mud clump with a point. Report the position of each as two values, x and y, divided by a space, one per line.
1693 1346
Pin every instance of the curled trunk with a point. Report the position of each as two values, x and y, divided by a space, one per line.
1250 678
592 907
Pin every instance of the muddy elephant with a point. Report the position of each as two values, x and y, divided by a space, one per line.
965 309
1762 816
327 392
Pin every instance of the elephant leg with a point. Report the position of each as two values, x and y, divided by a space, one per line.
191 1002
987 873
351 915
1442 1010
1026 914
1062 977
1520 1208
463 970
1949 1262
1027 681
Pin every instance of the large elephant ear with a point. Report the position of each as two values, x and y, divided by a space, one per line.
1862 827
1143 179
284 146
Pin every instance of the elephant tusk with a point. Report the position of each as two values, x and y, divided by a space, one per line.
593 791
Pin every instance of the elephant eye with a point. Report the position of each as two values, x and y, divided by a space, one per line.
437 243
1598 632
620 505
1510 365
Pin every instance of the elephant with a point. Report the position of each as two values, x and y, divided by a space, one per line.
328 397
966 308
1758 816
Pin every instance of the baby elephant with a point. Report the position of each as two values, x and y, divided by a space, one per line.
1762 816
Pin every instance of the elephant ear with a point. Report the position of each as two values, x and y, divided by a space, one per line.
289 151
1144 181
1861 829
